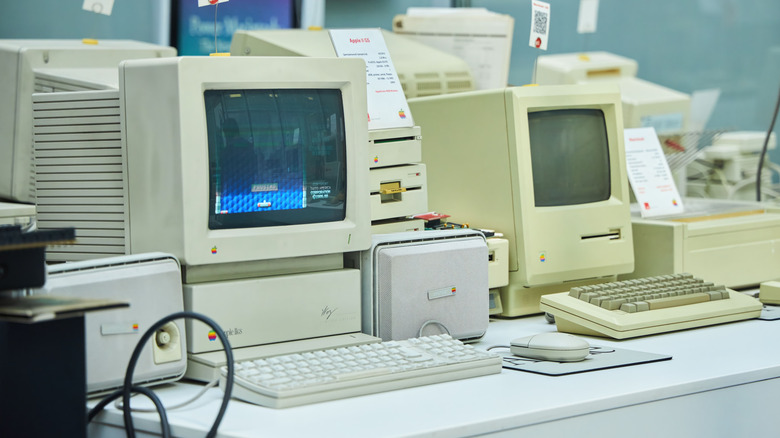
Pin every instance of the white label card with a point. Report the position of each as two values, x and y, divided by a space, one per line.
98 6
649 174
387 107
202 3
588 16
540 24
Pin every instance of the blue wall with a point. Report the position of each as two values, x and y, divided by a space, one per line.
130 19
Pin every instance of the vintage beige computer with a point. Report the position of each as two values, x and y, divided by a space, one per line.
544 166
43 66
248 169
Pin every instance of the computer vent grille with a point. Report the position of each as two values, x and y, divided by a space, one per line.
79 171
55 85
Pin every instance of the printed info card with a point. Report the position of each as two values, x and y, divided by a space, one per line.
387 107
649 174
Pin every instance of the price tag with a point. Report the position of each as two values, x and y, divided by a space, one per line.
98 6
540 24
649 174
588 16
202 3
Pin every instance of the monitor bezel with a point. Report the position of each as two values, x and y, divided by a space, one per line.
179 184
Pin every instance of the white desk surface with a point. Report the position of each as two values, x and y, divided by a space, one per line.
722 381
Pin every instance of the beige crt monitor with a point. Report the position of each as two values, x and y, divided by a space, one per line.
543 165
45 66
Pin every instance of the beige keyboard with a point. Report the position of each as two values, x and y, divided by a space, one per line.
335 373
646 306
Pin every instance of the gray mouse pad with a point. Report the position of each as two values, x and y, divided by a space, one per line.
600 358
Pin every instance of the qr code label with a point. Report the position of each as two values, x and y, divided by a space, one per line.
540 22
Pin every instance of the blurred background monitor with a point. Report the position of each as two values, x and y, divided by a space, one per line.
422 69
193 27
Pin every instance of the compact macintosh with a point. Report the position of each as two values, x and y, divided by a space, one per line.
250 170
543 165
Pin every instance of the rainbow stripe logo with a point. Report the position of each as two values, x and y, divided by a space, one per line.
542 257
376 159
214 250
212 335
674 202
135 327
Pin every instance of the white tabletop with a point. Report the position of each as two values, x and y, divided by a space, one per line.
710 366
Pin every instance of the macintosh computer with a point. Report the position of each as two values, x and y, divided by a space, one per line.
726 242
44 66
249 170
543 165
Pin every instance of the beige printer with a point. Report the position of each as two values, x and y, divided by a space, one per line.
734 243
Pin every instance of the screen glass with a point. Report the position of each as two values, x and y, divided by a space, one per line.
277 157
569 156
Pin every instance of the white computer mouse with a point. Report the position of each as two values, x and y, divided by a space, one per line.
553 346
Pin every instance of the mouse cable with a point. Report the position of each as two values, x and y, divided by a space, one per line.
764 149
118 403
128 387
166 430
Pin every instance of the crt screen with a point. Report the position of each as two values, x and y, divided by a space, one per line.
569 156
276 157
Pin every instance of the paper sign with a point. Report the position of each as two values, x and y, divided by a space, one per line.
540 24
209 2
649 174
387 107
98 6
588 16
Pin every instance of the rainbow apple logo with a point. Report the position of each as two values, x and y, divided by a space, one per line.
401 114
674 202
214 250
212 335
453 289
542 257
376 159
135 327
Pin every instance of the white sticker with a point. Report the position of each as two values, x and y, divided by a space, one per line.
98 6
649 174
540 24
588 16
202 3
